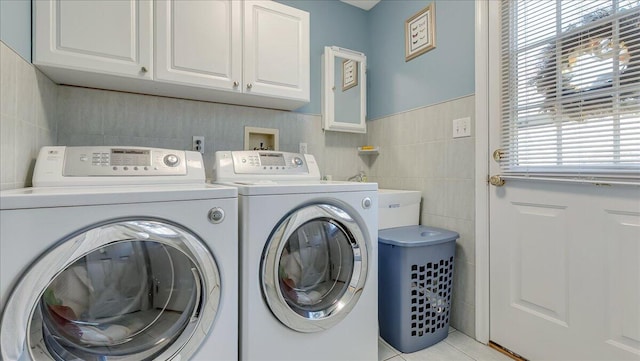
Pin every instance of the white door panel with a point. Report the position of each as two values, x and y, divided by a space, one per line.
113 28
199 43
276 52
565 270
622 310
112 37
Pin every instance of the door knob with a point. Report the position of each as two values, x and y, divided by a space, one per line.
496 180
498 154
249 86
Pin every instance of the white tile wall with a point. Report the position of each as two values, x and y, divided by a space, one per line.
417 152
102 117
28 110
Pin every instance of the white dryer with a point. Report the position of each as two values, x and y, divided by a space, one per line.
94 270
308 259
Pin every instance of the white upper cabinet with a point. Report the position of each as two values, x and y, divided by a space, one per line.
276 50
105 36
231 51
199 43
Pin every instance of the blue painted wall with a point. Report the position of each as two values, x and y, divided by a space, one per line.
332 23
444 73
15 26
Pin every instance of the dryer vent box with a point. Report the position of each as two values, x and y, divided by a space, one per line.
261 138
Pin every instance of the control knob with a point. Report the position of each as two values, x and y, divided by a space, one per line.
171 160
216 215
297 161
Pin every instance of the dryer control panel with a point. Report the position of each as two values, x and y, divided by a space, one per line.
264 165
99 165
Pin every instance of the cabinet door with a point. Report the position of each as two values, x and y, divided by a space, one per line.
99 36
276 50
198 43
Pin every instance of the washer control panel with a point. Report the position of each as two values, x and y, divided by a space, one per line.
123 161
268 162
102 165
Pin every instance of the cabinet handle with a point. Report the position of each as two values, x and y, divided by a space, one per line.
235 84
143 69
249 86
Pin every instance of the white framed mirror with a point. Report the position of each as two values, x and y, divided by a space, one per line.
344 90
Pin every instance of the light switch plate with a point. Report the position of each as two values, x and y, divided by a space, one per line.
462 127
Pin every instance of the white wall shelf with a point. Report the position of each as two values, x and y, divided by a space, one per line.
373 151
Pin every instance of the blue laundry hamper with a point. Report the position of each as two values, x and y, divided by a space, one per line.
415 274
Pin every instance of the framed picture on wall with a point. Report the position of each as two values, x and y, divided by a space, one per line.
349 74
420 32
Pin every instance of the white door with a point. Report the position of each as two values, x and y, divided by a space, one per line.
104 36
564 255
199 43
276 50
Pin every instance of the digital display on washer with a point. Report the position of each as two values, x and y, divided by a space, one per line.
268 159
130 157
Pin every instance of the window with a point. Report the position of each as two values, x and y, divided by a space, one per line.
571 87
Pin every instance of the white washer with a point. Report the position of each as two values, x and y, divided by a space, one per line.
93 270
308 259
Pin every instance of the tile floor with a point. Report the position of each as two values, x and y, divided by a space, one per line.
456 347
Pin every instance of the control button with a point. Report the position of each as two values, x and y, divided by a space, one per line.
171 160
115 168
244 160
297 161
264 167
84 158
146 168
126 168
135 168
216 215
366 203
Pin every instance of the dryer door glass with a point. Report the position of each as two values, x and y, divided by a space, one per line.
315 267
136 295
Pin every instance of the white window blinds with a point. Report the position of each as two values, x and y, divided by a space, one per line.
570 80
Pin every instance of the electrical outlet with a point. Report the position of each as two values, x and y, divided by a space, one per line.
462 127
302 148
198 143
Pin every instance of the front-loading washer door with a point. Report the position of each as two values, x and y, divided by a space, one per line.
314 267
131 290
